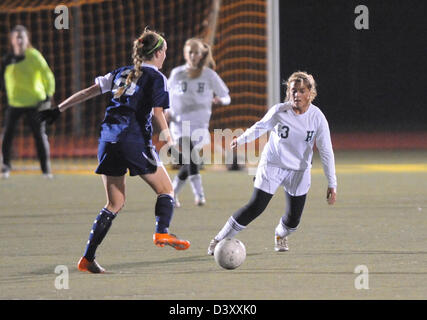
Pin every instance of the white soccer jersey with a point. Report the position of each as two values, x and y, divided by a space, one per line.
191 99
292 139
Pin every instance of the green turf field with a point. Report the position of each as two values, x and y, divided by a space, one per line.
379 221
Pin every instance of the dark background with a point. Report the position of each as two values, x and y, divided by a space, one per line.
368 80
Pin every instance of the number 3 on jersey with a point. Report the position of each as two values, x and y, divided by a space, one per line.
284 132
119 82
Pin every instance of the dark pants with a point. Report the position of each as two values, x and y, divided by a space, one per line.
38 130
258 203
190 160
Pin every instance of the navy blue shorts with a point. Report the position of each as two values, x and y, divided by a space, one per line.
115 158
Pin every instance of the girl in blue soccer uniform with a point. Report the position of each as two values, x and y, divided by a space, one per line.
139 95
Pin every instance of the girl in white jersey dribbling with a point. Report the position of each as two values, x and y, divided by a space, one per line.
296 126
193 88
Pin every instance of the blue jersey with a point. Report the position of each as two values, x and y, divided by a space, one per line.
128 118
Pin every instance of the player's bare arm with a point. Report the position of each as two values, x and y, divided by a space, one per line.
51 115
80 97
159 117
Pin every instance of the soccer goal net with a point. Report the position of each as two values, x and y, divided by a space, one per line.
98 39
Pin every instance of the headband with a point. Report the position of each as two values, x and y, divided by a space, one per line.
158 44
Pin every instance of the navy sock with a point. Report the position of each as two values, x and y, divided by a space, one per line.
164 213
100 228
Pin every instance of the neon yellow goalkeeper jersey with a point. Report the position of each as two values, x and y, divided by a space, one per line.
28 80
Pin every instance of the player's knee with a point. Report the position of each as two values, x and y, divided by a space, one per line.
166 190
253 208
194 169
183 172
115 206
293 214
248 213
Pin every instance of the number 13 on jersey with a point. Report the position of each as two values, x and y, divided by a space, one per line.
284 133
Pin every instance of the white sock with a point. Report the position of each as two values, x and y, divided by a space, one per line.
177 184
282 230
230 229
196 185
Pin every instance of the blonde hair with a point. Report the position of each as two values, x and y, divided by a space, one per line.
144 48
207 59
301 77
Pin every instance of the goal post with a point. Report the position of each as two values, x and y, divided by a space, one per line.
273 53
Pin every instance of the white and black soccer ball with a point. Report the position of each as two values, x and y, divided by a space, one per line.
230 253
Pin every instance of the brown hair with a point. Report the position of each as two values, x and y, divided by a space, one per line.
21 28
206 60
301 77
144 49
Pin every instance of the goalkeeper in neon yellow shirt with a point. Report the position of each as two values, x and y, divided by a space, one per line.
29 85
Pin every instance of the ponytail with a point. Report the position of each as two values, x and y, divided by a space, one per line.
144 48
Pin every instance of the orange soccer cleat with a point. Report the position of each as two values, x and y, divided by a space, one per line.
162 239
92 267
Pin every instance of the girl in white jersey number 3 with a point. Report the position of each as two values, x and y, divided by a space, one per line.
296 125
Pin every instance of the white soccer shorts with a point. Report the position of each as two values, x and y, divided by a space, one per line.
296 183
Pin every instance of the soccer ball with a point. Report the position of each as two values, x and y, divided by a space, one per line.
230 253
